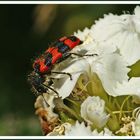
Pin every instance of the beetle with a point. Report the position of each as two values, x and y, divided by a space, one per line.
43 65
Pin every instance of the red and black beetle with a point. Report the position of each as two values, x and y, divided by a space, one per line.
43 65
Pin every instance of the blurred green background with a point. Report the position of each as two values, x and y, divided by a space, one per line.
26 31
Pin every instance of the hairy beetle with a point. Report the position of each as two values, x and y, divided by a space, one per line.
43 65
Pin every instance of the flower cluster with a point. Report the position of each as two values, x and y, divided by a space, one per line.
103 97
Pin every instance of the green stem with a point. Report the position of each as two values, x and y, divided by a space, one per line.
121 109
95 87
117 104
73 102
77 116
65 118
124 111
60 106
112 123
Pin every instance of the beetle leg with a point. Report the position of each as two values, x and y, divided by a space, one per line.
82 55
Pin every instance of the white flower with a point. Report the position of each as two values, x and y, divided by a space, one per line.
79 130
93 111
60 130
105 132
122 31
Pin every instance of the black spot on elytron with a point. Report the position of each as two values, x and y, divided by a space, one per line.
59 44
48 59
63 48
73 38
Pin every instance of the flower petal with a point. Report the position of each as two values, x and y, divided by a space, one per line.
64 85
122 31
105 132
79 130
92 110
131 87
111 70
60 130
82 34
106 28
